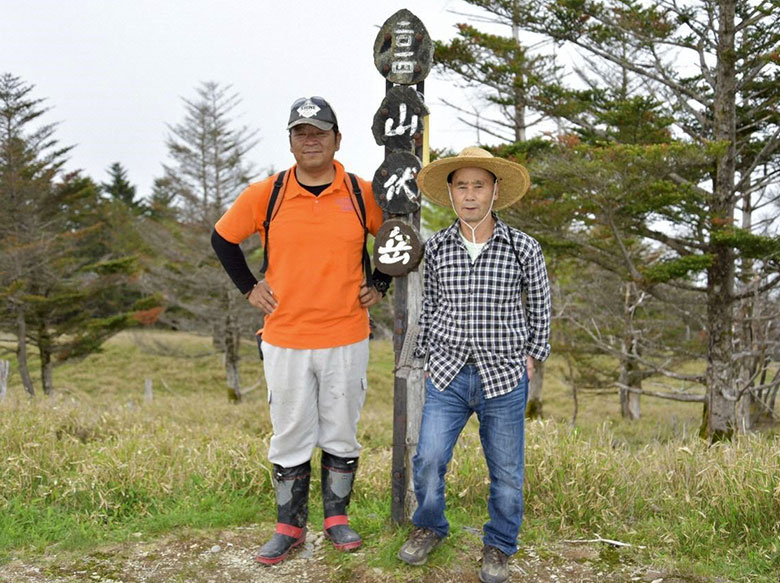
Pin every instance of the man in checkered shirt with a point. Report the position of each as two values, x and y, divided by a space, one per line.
485 319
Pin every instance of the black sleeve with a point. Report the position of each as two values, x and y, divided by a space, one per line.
234 262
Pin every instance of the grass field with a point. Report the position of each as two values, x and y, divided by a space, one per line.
98 463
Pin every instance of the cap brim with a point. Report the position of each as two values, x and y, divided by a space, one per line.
323 125
513 179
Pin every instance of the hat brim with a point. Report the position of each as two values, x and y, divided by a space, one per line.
323 125
513 179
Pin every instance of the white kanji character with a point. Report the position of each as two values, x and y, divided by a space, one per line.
400 184
395 249
401 129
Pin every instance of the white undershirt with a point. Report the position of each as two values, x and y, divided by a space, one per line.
474 249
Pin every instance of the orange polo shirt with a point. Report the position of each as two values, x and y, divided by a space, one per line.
315 262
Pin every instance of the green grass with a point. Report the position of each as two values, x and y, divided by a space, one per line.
96 463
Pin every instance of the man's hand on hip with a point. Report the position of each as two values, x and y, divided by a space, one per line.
262 297
368 295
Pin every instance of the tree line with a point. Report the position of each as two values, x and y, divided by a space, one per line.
81 260
656 184
652 131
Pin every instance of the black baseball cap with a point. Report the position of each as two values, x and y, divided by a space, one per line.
314 111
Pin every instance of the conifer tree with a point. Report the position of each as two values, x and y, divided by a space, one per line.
119 187
711 64
30 158
59 272
207 169
504 72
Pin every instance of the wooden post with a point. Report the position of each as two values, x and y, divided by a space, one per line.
400 420
403 54
148 394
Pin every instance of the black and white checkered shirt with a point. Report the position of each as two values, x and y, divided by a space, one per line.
476 311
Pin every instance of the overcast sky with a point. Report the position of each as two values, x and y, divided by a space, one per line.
114 71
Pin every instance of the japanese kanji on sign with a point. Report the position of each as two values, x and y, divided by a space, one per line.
395 184
403 54
397 248
403 51
398 124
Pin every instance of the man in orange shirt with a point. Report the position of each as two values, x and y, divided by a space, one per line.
315 336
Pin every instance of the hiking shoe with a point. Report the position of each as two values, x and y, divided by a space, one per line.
421 541
494 566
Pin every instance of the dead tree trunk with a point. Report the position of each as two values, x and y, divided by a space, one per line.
629 375
629 400
44 350
231 343
5 367
21 352
573 382
534 408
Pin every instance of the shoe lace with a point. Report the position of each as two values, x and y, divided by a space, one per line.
494 555
422 534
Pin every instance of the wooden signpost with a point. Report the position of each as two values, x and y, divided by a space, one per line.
403 55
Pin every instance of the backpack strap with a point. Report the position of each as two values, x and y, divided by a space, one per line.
362 216
273 207
278 183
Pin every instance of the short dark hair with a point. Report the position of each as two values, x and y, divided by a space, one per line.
449 176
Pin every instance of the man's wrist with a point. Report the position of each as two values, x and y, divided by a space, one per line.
249 293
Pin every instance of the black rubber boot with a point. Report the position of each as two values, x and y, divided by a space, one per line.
292 509
338 475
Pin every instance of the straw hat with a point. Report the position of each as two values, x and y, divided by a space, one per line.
512 177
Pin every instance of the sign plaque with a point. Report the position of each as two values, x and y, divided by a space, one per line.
397 248
398 123
403 51
395 184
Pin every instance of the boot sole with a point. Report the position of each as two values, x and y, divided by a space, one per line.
353 546
416 563
274 560
492 580
347 546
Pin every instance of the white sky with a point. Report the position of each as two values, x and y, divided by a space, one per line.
114 71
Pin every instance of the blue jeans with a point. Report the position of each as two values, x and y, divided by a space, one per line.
502 432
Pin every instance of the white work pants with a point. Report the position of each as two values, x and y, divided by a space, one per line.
315 398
